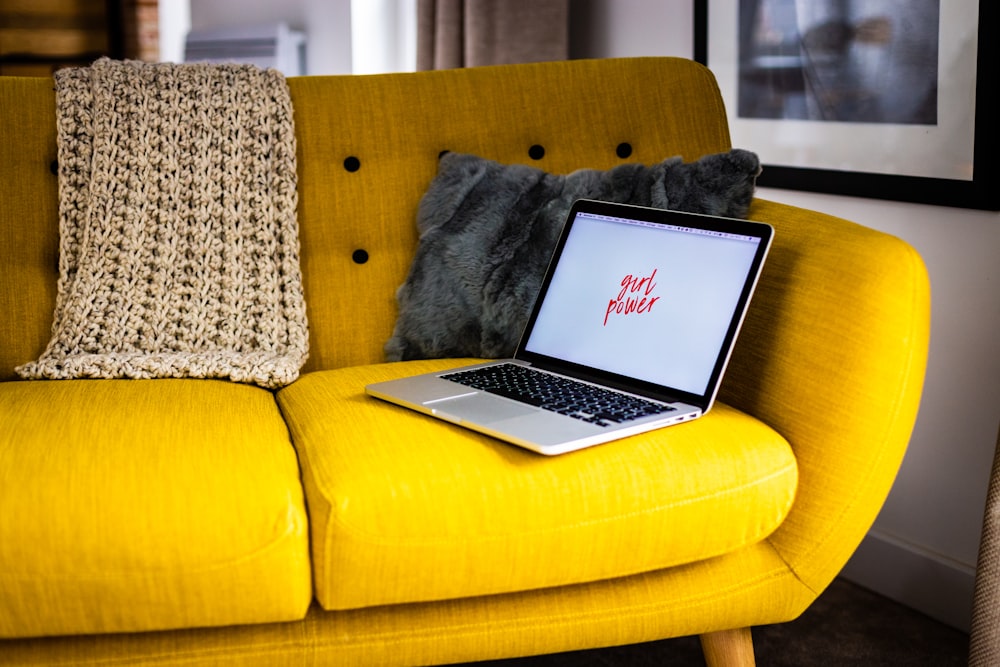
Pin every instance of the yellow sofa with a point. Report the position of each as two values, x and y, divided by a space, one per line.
204 522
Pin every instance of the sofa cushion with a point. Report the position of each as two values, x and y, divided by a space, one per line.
147 504
405 508
488 230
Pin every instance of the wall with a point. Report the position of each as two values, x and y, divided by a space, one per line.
175 21
625 28
923 547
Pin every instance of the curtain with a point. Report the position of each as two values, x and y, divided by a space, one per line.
984 640
468 33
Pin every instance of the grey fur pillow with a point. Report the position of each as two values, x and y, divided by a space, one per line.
487 231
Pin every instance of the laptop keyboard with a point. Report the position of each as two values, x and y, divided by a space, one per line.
580 400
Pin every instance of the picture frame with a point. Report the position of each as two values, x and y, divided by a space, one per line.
946 158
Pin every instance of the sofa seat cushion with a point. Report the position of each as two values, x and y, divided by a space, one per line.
130 505
405 508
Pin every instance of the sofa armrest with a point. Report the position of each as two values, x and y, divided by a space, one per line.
833 355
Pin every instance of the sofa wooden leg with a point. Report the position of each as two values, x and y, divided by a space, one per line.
728 648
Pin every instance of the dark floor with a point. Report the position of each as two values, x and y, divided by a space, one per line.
847 625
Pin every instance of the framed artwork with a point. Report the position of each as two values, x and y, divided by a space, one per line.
885 99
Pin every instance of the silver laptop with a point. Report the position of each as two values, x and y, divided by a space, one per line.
631 331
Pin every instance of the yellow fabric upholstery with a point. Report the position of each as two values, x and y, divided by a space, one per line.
751 587
396 126
136 505
407 509
29 231
829 367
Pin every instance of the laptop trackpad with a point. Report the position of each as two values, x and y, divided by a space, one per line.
481 408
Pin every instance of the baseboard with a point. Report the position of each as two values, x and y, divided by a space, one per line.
930 583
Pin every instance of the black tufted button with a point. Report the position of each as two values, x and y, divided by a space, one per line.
536 152
624 150
54 167
352 164
360 256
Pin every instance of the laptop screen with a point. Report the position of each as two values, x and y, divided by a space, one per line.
654 300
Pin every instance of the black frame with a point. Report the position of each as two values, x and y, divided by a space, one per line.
982 192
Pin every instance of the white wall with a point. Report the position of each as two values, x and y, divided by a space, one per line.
383 36
923 547
625 28
175 21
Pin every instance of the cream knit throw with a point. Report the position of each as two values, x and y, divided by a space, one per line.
179 250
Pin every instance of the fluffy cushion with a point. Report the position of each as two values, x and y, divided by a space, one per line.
487 231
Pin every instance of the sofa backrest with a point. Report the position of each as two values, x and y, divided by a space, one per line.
367 149
370 147
29 223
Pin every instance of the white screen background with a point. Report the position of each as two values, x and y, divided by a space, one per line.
698 280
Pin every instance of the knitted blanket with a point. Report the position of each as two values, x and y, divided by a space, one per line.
179 252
